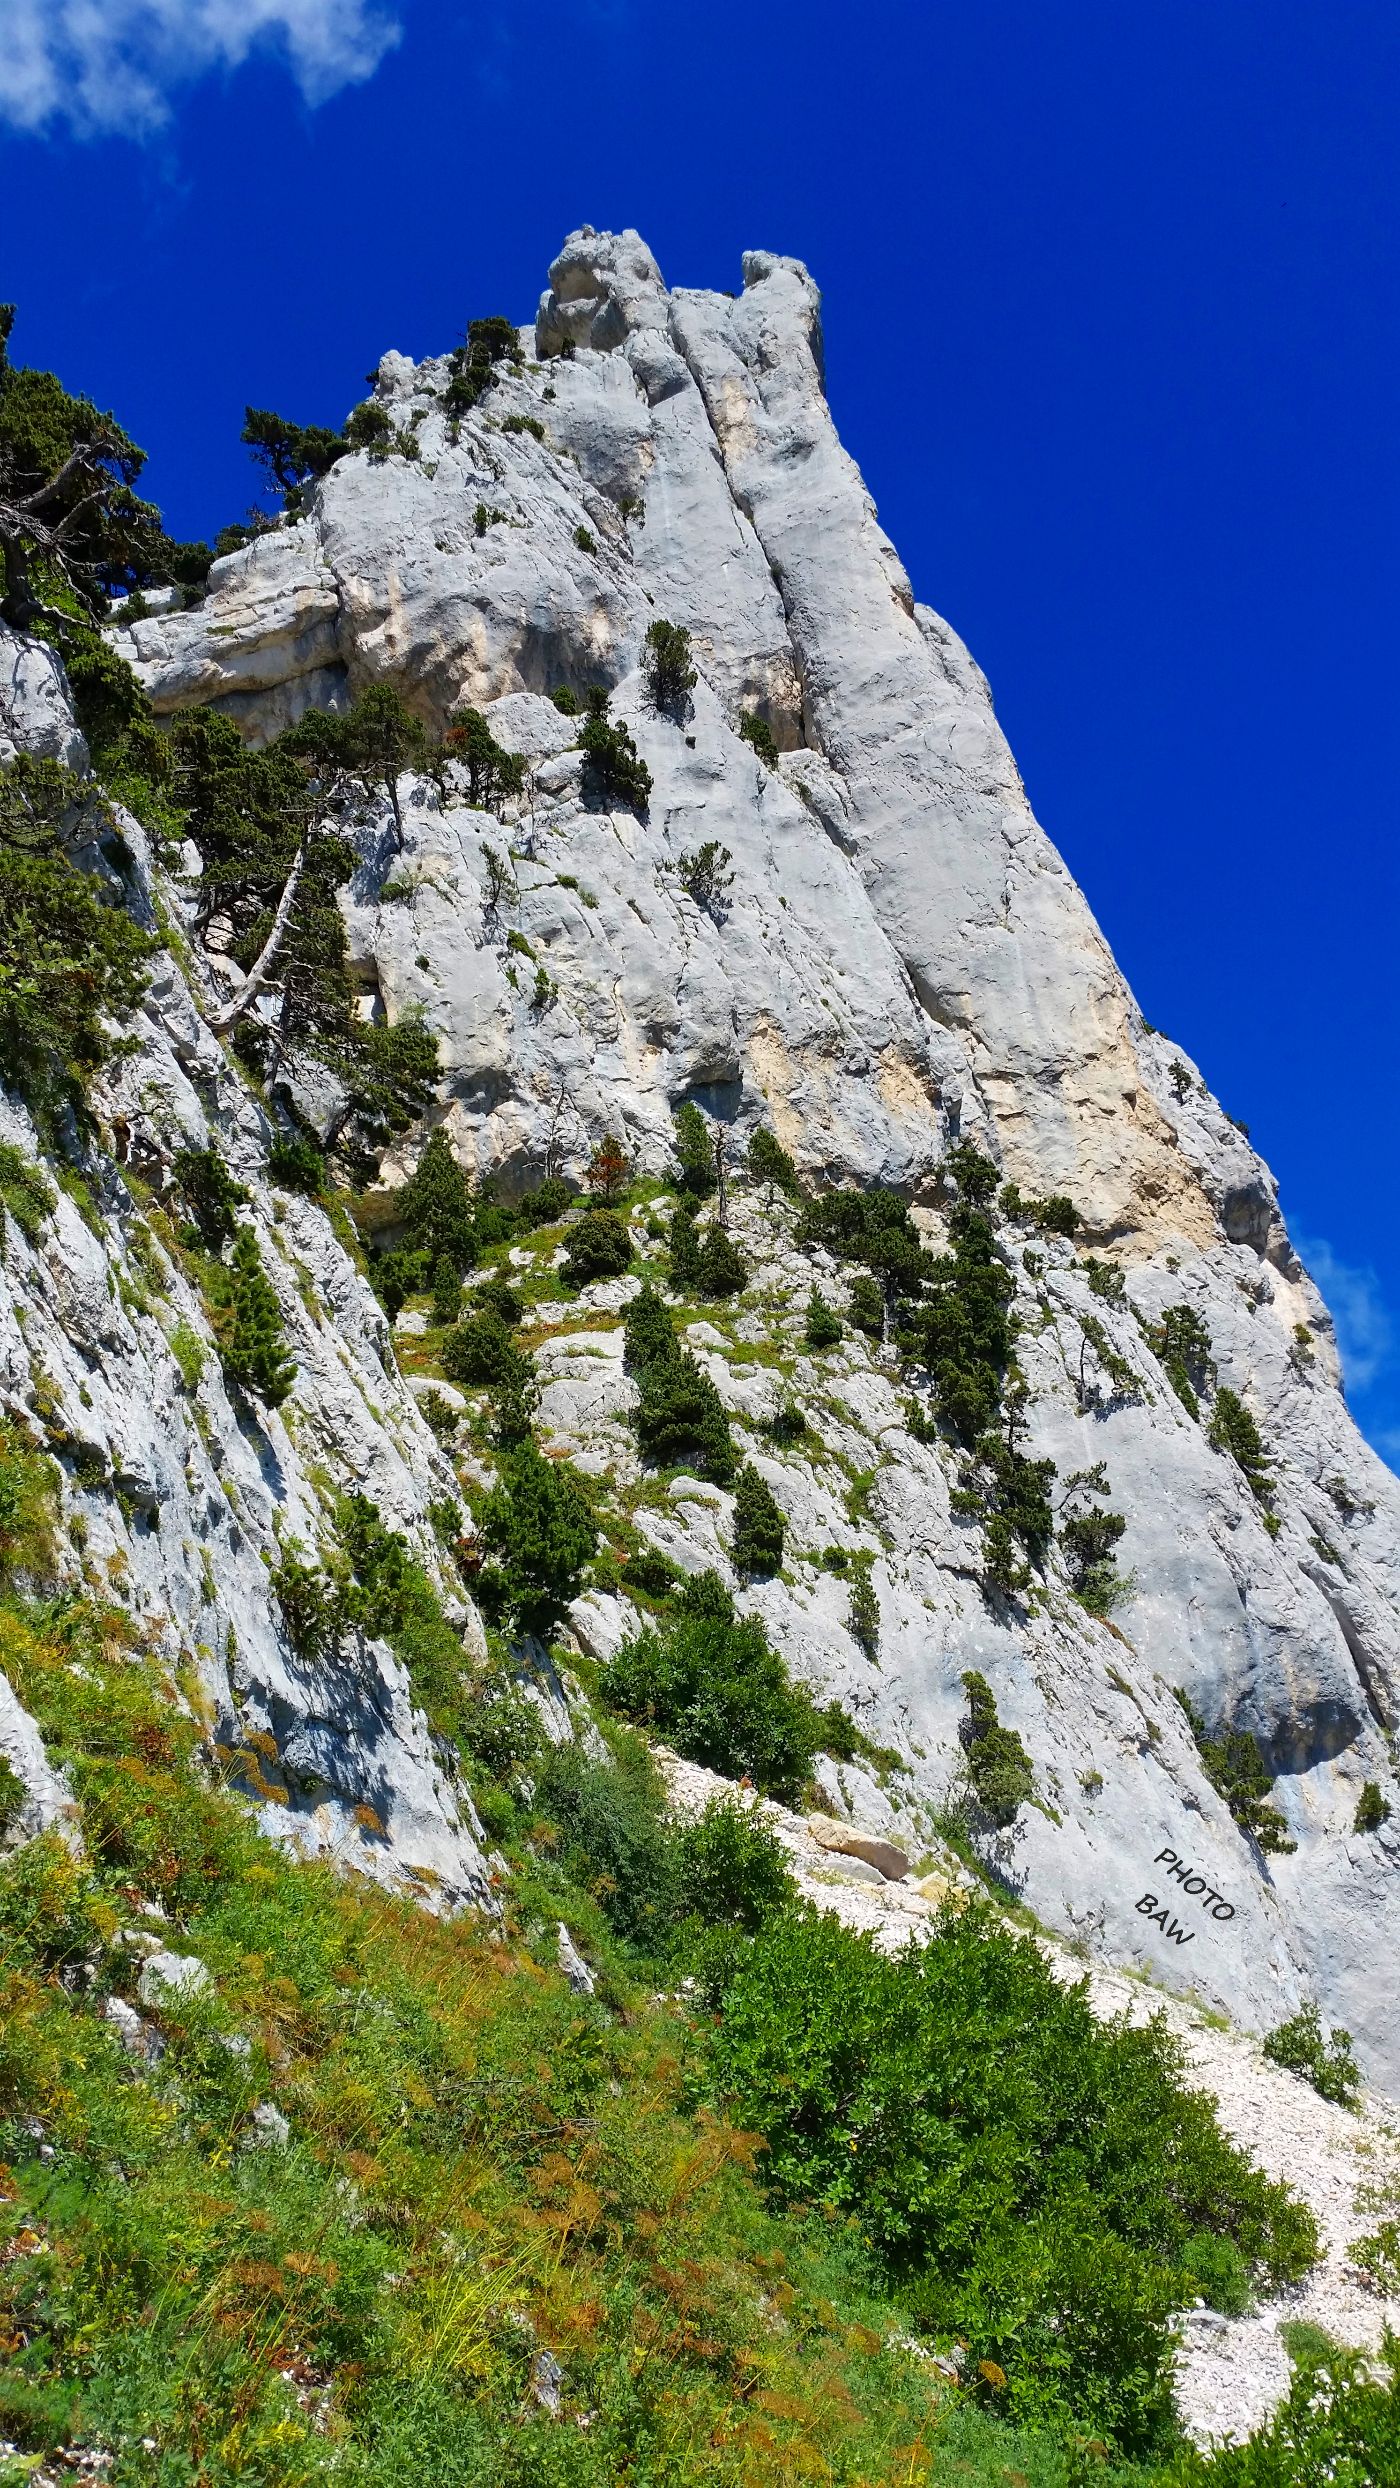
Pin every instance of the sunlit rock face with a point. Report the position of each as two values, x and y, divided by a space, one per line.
901 958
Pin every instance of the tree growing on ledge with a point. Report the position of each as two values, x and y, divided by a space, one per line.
670 676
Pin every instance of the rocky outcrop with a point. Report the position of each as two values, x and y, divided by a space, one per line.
900 958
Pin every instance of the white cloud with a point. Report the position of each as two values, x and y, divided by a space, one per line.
1365 1328
101 65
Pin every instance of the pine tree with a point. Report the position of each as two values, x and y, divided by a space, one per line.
823 1325
723 1269
695 1151
769 1163
685 1249
447 1291
435 1206
254 1348
541 1531
609 1168
759 1526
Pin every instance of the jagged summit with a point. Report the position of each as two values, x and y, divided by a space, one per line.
898 961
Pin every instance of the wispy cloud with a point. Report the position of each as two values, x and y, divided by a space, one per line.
96 66
1366 1332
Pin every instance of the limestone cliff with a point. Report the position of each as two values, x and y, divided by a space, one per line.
904 961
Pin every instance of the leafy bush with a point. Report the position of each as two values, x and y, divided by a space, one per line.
565 700
481 1354
598 1246
670 675
1338 2426
252 1343
546 1203
539 1528
210 1196
296 1164
867 1306
712 1686
69 962
26 1195
1181 1343
964 1333
759 1526
1234 1766
1326 2062
1035 2180
823 1326
473 367
612 1837
614 772
732 1870
998 1766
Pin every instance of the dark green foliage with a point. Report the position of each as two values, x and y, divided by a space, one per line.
492 773
1088 1536
695 1150
759 1526
474 366
1181 1342
108 701
769 1163
867 1306
756 731
1372 1809
209 1195
1036 2181
732 1871
1234 1430
68 959
548 1201
367 750
390 1594
370 427
565 700
496 1295
447 1291
670 676
1055 1215
788 1423
998 1766
253 1346
295 1162
615 774
525 423
73 531
683 1242
612 1838
482 1354
705 877
648 1331
863 1615
597 1246
435 1207
311 1612
713 1687
965 1332
1235 1767
680 1417
723 1270
26 1195
823 1326
1327 2062
292 456
587 543
13 1796
1010 1494
1105 1279
540 1530
1117 1370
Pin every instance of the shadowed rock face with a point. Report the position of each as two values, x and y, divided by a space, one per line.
902 957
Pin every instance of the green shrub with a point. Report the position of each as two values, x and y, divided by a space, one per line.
435 1207
1326 2062
540 1531
586 543
823 1326
613 1839
863 1615
704 875
492 773
296 1164
1033 2179
210 1196
546 1203
681 1419
998 1766
1088 1535
524 423
598 1246
565 700
712 1686
496 1295
1235 1768
482 1355
252 1343
732 1870
759 1527
311 1612
695 1151
670 675
867 1307
1181 1343
1338 2426
26 1195
473 367
963 1334
769 1163
683 1244
756 731
447 1291
1233 1430
722 1269
1372 1809
614 771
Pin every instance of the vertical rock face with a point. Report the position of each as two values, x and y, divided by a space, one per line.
904 959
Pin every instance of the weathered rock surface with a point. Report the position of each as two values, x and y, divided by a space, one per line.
901 958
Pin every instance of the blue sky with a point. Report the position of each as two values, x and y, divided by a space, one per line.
1111 308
